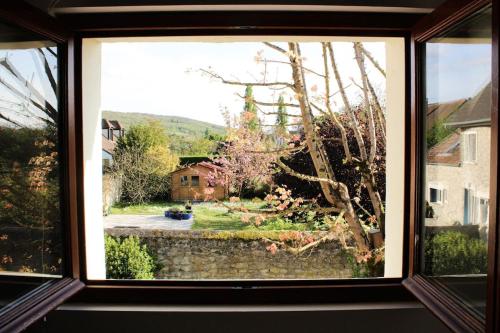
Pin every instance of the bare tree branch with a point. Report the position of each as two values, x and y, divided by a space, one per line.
332 115
372 60
277 48
239 83
354 121
368 108
288 63
270 103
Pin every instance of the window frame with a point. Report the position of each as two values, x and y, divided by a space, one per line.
466 150
441 191
446 306
197 180
33 305
296 291
184 180
241 24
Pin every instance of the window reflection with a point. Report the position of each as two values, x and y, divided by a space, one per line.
30 220
458 134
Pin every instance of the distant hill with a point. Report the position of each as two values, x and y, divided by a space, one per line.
174 126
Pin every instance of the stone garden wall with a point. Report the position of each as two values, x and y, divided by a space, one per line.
235 255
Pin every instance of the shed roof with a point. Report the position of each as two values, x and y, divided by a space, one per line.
207 165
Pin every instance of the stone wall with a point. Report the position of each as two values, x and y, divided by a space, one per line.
234 255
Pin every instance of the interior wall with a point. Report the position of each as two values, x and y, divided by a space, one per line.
92 156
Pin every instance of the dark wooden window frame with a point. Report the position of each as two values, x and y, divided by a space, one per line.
25 310
446 306
241 24
51 294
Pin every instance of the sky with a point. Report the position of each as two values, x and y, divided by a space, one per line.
456 71
164 78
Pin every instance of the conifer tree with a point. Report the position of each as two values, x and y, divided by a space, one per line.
250 117
281 117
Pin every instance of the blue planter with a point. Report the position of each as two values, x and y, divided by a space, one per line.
178 215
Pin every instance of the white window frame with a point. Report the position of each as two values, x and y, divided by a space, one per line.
466 149
442 196
186 183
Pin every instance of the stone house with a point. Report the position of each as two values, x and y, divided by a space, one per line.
192 182
457 170
112 130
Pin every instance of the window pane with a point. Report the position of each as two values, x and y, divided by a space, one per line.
31 248
232 167
458 107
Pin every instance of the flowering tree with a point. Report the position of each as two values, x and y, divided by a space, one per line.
244 160
311 101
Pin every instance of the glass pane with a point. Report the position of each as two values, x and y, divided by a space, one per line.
30 218
457 158
231 167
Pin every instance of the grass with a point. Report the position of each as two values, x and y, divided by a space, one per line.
208 215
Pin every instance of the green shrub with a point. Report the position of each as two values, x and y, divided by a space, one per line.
452 252
127 259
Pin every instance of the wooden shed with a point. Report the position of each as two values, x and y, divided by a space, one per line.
190 182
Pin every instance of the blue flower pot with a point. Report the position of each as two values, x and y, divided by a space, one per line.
168 213
186 216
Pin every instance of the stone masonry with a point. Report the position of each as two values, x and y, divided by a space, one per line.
223 255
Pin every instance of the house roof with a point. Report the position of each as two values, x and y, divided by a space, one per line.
116 124
437 112
106 124
475 112
108 145
447 151
111 124
207 165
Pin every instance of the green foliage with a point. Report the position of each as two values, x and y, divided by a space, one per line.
142 137
184 160
452 252
254 190
143 162
251 119
364 269
30 218
282 224
281 117
437 133
127 259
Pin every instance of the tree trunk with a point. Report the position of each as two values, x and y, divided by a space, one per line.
337 195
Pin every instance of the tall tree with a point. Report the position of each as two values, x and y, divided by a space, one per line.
281 116
143 161
251 119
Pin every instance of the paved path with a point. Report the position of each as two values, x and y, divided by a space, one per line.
146 222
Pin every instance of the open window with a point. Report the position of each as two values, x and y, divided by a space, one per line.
218 150
441 153
38 269
456 147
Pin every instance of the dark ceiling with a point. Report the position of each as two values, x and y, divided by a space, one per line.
82 6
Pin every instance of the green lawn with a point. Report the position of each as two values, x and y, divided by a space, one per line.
207 215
